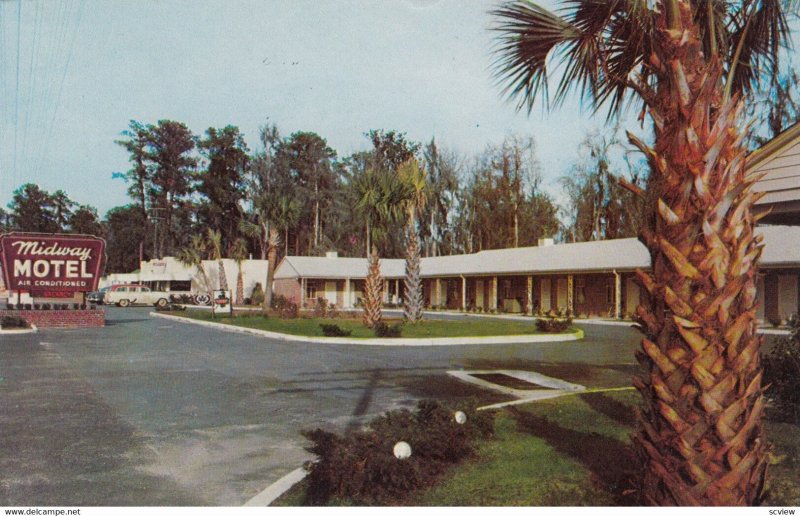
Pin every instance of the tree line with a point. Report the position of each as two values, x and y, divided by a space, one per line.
296 195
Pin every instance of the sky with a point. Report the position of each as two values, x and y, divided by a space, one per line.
74 72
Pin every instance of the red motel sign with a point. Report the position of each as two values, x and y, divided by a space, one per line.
48 263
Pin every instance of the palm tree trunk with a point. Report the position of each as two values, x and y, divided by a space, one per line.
272 259
412 298
369 244
240 286
223 278
701 436
373 292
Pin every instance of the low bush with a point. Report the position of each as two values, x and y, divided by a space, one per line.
782 373
13 322
324 310
361 467
553 324
170 307
257 296
334 330
184 299
383 330
286 308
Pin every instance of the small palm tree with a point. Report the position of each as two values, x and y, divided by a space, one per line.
688 64
192 255
215 246
239 253
273 242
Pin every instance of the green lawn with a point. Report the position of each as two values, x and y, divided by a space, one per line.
428 328
573 450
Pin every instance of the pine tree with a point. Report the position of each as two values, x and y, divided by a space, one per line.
373 291
412 307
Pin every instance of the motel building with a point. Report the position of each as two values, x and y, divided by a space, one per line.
590 279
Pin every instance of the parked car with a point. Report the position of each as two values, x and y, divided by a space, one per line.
98 296
133 294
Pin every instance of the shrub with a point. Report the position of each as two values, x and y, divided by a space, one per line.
553 324
257 296
46 306
12 321
184 299
321 308
334 330
286 308
782 373
170 307
361 467
383 330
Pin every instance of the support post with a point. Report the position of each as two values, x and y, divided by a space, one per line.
397 290
463 294
570 295
438 292
348 298
617 295
529 306
493 299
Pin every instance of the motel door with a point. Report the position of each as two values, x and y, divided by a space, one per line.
545 288
631 296
561 293
330 292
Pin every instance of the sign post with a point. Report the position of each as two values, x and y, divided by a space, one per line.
222 302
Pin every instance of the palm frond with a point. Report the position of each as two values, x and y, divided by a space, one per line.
600 44
756 37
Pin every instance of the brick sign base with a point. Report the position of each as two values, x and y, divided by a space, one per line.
61 318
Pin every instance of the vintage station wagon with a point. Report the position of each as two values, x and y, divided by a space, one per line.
133 294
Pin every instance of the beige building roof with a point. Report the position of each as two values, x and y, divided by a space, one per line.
335 268
782 248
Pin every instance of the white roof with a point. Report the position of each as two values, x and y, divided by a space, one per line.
782 248
606 255
335 268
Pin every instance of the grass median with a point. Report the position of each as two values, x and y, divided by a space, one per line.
310 327
571 451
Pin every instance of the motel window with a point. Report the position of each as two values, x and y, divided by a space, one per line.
507 294
180 286
311 291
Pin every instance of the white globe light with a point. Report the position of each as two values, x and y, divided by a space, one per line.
402 450
460 417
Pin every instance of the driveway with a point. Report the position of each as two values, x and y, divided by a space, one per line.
154 412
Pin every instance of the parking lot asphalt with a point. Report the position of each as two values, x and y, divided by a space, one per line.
153 412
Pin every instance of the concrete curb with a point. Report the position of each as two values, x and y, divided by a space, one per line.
276 489
440 341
